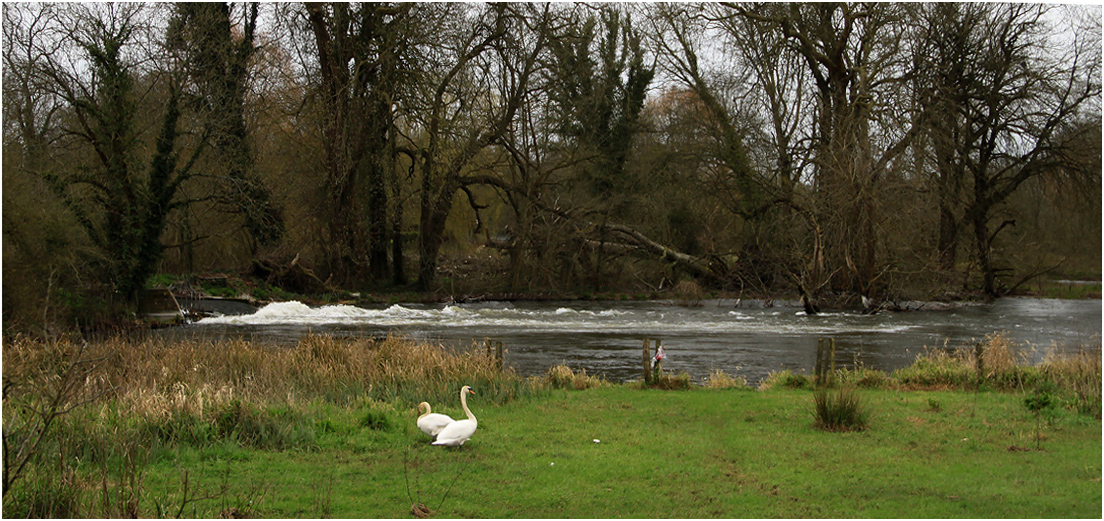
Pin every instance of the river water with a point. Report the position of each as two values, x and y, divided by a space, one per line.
749 339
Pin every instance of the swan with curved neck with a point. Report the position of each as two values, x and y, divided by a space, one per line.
459 431
430 422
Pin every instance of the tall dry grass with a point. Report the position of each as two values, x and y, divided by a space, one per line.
154 377
1079 374
718 379
998 363
994 362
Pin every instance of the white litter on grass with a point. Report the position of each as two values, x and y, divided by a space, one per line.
551 464
597 441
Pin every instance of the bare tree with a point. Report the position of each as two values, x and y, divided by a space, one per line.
1007 111
852 53
487 65
30 110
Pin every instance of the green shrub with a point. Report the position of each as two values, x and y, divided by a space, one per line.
937 368
376 420
839 411
1038 402
221 292
160 280
263 429
182 427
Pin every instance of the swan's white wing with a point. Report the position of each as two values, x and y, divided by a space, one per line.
432 424
456 433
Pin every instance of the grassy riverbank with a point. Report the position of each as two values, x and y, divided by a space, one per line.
697 454
326 429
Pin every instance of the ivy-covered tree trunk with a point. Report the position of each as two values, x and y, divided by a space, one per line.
122 211
219 65
599 82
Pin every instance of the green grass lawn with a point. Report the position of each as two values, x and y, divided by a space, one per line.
683 454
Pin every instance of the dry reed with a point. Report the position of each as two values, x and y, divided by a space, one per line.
718 379
1080 374
154 380
563 377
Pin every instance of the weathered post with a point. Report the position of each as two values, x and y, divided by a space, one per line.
647 359
655 366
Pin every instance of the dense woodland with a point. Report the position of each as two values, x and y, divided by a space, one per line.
827 151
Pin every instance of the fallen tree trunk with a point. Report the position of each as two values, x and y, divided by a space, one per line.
636 241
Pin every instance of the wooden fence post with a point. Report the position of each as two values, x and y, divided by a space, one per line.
655 368
825 362
647 358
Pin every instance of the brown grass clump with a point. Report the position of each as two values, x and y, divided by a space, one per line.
718 379
785 379
938 368
1080 374
563 377
999 360
672 382
864 378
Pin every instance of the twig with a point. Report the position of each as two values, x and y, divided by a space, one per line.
184 501
55 408
406 461
454 480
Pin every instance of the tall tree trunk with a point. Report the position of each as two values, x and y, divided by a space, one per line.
435 211
948 237
983 243
379 166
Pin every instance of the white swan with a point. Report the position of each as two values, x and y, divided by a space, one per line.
430 422
457 432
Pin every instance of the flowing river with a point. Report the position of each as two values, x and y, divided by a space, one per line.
749 339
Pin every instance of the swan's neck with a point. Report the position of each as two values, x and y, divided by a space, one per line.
426 413
464 403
